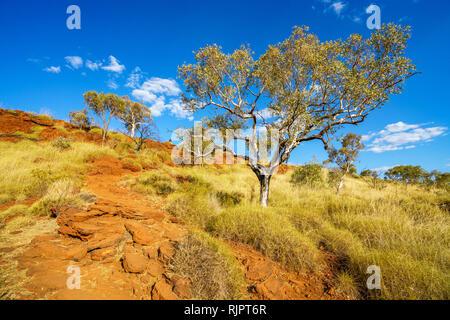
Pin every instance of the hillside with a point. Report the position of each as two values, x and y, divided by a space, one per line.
139 227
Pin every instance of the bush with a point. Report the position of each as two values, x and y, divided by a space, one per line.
62 143
80 119
310 175
40 180
61 193
161 184
210 265
229 199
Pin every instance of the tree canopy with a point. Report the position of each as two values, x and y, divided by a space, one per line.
301 88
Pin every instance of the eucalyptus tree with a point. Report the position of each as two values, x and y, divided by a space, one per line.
345 156
134 115
105 106
301 88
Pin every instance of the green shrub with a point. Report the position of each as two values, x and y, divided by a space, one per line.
229 199
61 193
161 184
96 130
44 117
310 175
62 143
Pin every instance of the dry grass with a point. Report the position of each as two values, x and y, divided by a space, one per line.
28 168
405 232
214 272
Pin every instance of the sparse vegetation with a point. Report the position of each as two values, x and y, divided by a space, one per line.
363 226
210 265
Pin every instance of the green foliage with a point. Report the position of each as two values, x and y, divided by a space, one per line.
133 115
309 88
41 179
44 117
310 175
158 183
228 199
406 174
105 106
335 176
96 131
61 193
80 119
62 143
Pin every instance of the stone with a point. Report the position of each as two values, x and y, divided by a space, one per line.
155 268
166 251
134 262
162 290
104 241
104 253
151 252
181 287
141 234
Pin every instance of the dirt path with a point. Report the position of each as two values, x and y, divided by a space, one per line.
121 246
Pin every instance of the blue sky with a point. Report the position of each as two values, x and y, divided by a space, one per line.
133 48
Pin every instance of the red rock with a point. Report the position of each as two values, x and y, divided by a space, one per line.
134 262
166 251
155 268
141 234
151 252
163 291
181 287
102 254
104 241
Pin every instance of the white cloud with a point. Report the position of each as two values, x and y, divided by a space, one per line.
338 7
384 168
114 65
156 91
93 65
74 62
399 136
112 84
135 78
400 126
53 69
45 111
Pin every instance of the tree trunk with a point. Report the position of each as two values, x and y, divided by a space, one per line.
264 182
340 185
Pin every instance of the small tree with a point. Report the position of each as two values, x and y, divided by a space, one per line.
80 119
134 115
145 131
436 179
373 180
301 88
345 156
105 106
406 174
